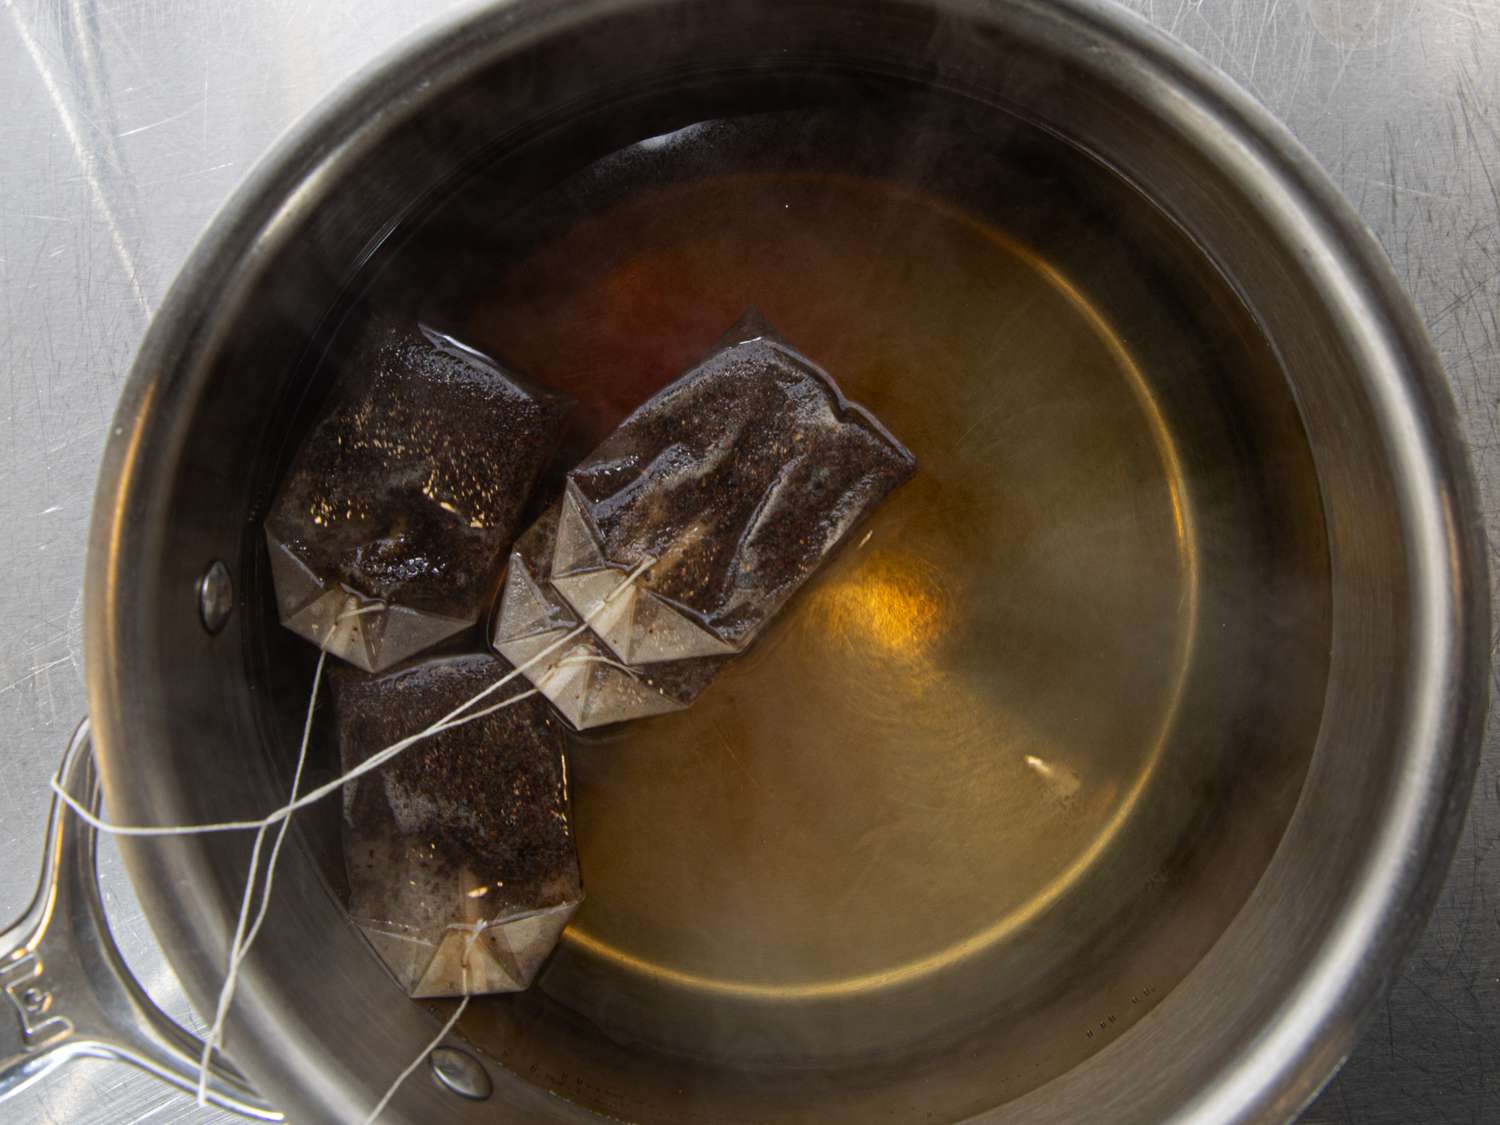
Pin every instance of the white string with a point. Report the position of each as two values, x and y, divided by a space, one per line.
245 932
239 933
373 607
416 1062
307 727
385 1100
243 939
371 763
240 949
490 710
85 814
578 658
446 723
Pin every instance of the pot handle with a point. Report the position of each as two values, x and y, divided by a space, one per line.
65 991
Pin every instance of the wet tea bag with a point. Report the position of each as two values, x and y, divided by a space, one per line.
467 830
391 526
734 483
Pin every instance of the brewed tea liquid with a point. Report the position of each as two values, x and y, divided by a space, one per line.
944 788
955 711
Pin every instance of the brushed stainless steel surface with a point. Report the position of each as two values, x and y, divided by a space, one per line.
139 118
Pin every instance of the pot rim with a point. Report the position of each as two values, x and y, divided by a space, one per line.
1301 1043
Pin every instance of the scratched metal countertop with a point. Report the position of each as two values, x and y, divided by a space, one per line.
126 123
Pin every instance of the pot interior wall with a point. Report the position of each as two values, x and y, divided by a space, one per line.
998 782
1064 695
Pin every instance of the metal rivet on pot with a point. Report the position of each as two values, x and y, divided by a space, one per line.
215 596
460 1072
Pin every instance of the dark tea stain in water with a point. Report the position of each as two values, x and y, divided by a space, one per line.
948 727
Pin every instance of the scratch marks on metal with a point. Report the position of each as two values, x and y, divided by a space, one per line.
87 155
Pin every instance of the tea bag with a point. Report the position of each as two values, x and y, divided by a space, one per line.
734 483
391 526
467 830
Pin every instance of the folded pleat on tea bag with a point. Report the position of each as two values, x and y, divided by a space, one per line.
391 527
734 483
469 828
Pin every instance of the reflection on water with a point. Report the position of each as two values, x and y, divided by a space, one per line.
892 606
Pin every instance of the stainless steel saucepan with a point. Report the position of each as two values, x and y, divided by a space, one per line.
1194 561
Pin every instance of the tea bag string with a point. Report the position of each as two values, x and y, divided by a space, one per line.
474 932
454 718
240 945
573 660
245 932
243 939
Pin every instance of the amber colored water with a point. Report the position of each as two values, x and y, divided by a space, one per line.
954 714
931 791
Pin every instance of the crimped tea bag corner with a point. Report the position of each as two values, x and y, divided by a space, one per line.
460 852
390 528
